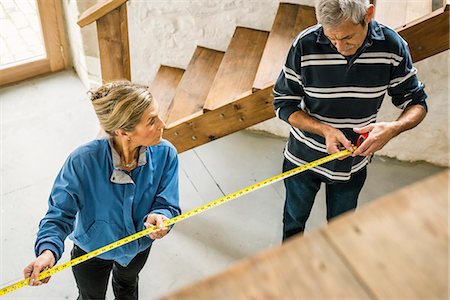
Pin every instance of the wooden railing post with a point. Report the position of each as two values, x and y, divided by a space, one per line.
112 33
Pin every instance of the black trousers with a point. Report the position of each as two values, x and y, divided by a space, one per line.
92 276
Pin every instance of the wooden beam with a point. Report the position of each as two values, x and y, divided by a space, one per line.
112 31
24 71
54 34
99 10
232 117
429 35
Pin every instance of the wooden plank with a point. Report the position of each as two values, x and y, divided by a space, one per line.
398 244
290 20
98 11
232 117
429 35
164 86
301 269
238 68
195 84
112 31
54 34
24 71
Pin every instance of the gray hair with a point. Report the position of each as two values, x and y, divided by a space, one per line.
333 12
120 105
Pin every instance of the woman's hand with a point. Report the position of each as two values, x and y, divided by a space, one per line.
44 261
157 219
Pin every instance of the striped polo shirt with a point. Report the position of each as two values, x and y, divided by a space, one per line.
344 92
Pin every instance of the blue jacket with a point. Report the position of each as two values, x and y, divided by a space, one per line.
97 203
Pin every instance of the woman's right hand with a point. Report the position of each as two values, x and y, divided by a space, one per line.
44 261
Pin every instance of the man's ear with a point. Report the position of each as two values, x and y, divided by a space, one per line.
370 14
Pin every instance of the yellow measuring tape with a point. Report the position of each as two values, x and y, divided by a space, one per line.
191 213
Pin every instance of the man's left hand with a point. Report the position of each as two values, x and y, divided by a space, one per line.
379 135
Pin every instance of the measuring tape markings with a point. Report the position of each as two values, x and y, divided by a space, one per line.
188 214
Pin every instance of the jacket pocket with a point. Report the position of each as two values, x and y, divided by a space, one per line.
91 233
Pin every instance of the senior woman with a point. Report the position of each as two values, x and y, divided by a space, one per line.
108 189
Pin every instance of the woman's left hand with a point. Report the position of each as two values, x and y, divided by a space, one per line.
157 219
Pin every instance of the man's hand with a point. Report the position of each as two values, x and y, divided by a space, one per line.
44 261
379 135
157 219
335 140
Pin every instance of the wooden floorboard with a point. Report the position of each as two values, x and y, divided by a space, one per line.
393 248
302 269
398 244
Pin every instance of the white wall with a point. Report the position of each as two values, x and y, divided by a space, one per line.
167 32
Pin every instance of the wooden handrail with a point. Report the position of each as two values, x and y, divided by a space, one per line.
99 10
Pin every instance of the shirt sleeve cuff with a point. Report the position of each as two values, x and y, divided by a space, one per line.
285 112
164 212
51 247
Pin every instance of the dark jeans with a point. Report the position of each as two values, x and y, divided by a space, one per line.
92 276
301 190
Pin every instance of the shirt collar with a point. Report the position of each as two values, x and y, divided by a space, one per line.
119 176
375 33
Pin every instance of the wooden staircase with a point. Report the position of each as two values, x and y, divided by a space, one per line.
221 93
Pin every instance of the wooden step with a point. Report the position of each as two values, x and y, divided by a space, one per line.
290 20
164 86
428 35
399 12
195 84
238 68
201 128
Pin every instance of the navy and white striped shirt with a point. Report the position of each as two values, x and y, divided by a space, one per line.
343 92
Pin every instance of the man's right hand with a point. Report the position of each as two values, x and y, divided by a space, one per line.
335 140
44 261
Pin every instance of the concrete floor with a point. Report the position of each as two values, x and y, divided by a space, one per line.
43 120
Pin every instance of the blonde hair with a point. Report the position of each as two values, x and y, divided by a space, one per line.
120 105
330 13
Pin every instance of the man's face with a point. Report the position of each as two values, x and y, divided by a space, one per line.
346 37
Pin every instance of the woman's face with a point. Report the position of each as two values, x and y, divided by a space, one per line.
149 130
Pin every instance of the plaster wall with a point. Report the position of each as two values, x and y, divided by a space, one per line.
168 31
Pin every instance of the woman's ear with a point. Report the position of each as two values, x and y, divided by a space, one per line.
121 133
